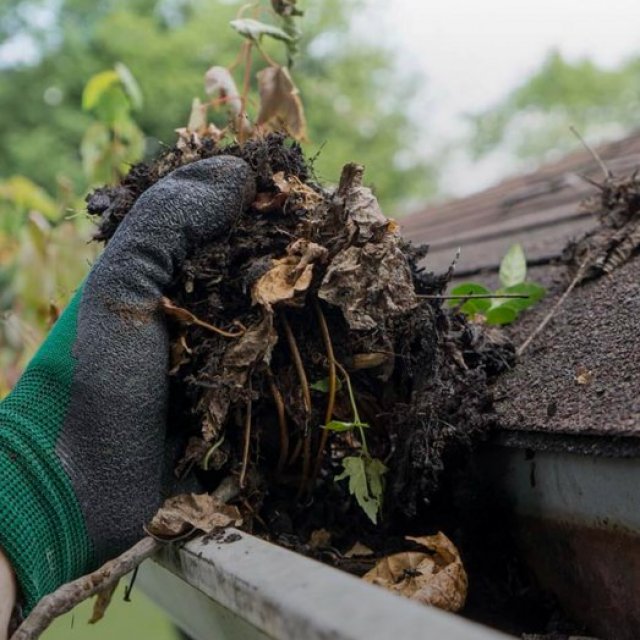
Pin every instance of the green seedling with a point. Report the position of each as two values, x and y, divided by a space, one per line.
494 309
365 473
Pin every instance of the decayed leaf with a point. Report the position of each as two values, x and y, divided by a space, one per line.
320 539
280 104
584 376
303 195
289 277
370 283
358 550
193 512
252 349
102 602
218 80
438 578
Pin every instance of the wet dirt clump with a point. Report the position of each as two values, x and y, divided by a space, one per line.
313 359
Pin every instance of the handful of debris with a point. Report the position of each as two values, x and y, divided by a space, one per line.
311 355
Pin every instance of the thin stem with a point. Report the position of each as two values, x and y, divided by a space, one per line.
354 406
215 447
185 316
247 440
306 395
246 85
282 422
471 296
297 360
328 345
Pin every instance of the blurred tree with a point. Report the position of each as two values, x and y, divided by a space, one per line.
354 97
535 117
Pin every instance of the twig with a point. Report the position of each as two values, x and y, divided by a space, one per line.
282 422
69 595
463 296
593 152
247 440
328 345
545 321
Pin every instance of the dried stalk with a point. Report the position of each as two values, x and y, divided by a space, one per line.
545 321
282 422
306 395
247 440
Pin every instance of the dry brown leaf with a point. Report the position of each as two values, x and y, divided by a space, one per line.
584 376
102 602
438 578
280 104
218 80
266 202
281 182
358 550
193 512
289 277
370 283
179 354
320 539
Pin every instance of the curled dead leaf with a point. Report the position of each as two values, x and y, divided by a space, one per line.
193 512
289 277
437 578
370 283
280 104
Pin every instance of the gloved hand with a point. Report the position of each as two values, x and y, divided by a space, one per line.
82 435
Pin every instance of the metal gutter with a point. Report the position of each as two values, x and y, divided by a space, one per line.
576 519
243 588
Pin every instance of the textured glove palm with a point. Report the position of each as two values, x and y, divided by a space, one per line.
82 435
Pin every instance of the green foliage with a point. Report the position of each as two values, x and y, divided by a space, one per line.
339 425
366 482
365 473
115 142
535 117
354 97
323 385
513 267
496 310
255 30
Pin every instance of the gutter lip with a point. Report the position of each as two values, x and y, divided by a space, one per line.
287 596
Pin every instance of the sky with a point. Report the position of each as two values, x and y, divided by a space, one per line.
470 53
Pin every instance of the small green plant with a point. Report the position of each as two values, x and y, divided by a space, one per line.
494 309
114 141
365 473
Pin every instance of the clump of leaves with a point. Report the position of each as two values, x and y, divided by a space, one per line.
278 106
495 309
364 472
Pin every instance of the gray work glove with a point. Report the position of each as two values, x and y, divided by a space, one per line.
82 435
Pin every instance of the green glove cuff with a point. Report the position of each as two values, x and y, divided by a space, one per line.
42 530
